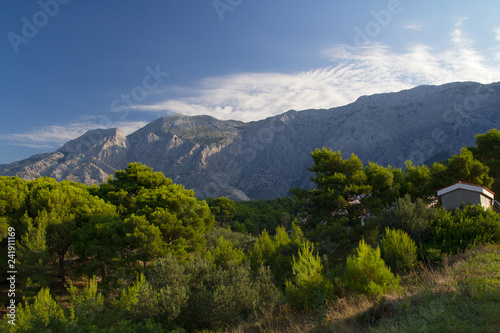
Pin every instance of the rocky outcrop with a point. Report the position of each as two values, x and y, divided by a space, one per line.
264 159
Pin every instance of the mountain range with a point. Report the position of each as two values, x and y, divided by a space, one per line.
264 159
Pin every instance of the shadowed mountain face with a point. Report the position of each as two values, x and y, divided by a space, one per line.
264 159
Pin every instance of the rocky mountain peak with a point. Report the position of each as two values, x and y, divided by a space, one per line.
265 158
95 141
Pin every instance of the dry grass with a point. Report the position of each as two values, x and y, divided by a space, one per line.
432 296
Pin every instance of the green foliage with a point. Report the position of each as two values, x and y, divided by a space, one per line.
488 153
411 217
128 298
198 295
13 193
416 181
276 252
222 297
454 232
33 258
4 226
144 240
240 240
423 182
44 315
384 183
398 250
128 326
439 178
309 289
98 244
126 224
86 305
49 217
223 209
258 215
129 183
465 168
162 297
461 297
225 254
367 273
180 217
346 192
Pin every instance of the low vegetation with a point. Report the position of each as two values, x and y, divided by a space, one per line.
370 251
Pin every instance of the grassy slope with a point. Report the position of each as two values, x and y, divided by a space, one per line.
462 296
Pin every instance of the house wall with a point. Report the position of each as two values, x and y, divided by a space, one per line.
455 198
485 201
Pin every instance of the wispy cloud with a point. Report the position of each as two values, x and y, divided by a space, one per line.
355 71
52 137
414 27
497 34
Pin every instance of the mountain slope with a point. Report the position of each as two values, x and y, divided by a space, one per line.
263 159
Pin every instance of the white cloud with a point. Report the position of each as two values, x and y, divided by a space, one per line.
414 27
355 71
52 137
497 34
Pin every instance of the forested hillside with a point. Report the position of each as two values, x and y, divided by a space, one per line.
368 249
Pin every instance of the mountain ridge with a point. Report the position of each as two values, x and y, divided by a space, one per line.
264 158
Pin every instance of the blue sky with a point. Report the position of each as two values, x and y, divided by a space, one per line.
69 66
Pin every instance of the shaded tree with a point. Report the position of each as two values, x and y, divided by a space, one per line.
487 151
181 218
223 209
464 167
344 194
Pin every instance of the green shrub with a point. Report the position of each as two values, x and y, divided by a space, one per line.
225 254
33 256
398 250
220 297
454 232
411 217
276 252
197 295
87 305
44 315
367 273
165 294
240 240
309 289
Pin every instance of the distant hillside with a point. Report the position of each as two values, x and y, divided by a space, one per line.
264 159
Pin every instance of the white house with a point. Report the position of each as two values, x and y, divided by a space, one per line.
464 193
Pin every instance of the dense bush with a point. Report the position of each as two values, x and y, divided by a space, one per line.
367 273
224 254
309 289
411 217
276 252
197 295
240 240
258 215
44 315
453 232
398 250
